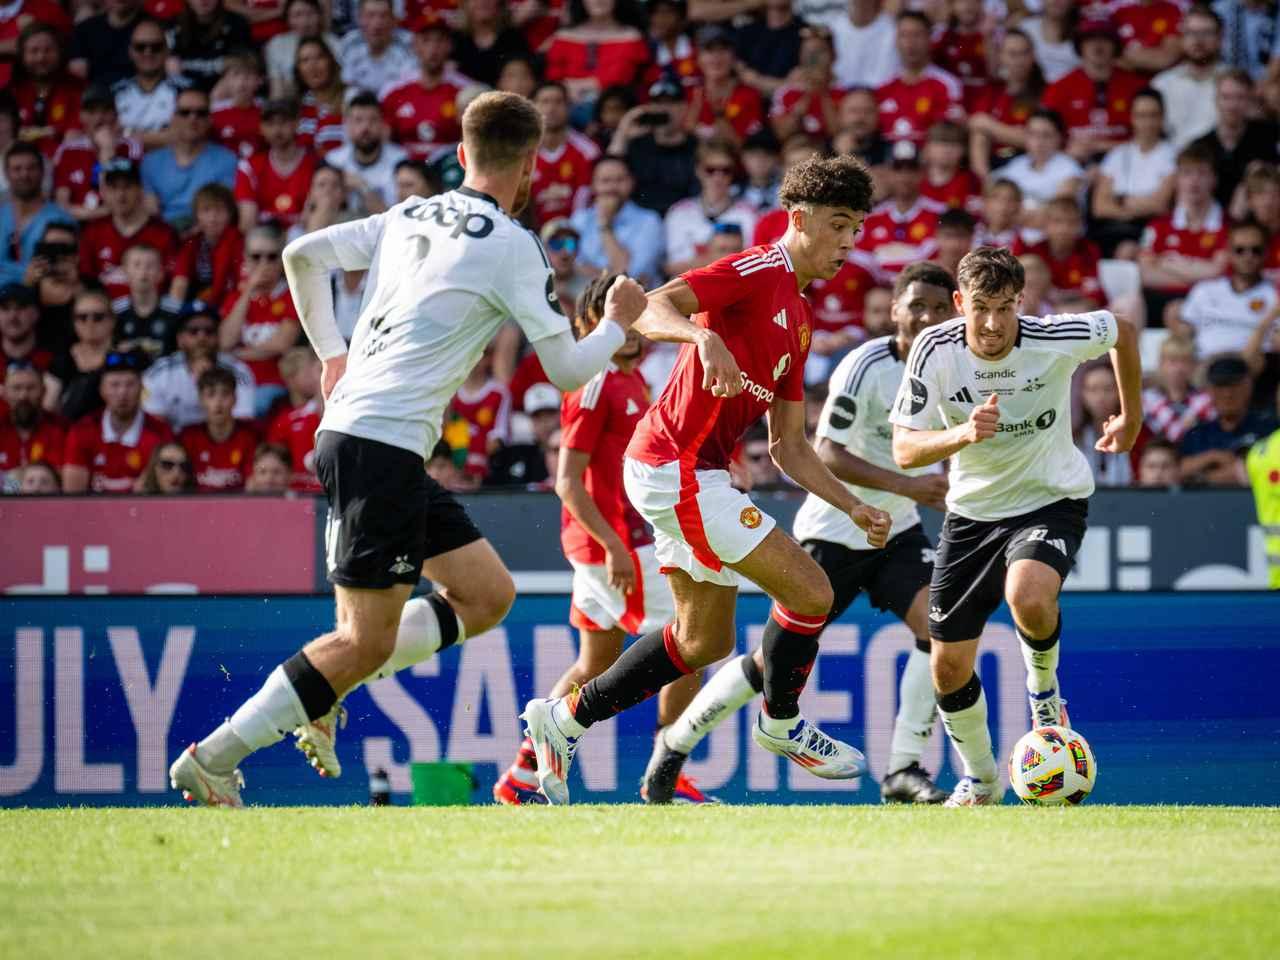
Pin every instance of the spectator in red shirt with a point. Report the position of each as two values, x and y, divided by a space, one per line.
1189 245
129 222
83 153
422 111
960 48
318 77
236 122
998 128
48 99
596 51
221 449
27 433
272 469
946 178
1149 32
211 256
106 452
922 94
723 106
259 320
809 101
673 52
1072 260
484 404
294 426
18 318
168 471
562 174
903 229
1095 98
273 185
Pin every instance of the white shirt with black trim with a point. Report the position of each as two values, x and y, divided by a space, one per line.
1031 461
863 388
443 275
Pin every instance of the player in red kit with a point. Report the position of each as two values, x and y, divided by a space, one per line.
743 357
617 587
221 448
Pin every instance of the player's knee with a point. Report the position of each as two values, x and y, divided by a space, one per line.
1034 607
816 599
494 603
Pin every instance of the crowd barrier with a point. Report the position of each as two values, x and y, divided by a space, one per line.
1137 541
98 694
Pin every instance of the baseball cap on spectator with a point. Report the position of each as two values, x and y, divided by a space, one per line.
1223 372
97 96
557 226
17 293
541 396
904 155
714 35
199 312
280 107
1096 28
665 89
121 167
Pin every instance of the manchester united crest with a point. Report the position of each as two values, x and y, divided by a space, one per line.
750 517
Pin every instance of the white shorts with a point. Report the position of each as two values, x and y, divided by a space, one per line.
598 606
700 522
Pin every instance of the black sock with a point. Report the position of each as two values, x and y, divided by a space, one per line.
923 644
310 685
961 699
447 619
751 670
1041 645
644 668
790 645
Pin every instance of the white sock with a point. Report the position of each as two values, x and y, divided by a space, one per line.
417 639
917 712
262 720
1042 666
968 730
727 690
782 729
565 721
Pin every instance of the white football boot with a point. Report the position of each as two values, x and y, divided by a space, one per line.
552 747
970 792
821 755
200 785
1048 710
318 741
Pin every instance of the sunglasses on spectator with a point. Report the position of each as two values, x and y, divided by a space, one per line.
262 255
720 171
563 244
143 47
199 112
1241 251
92 317
172 465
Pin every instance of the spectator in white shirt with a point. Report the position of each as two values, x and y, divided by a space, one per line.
376 54
146 101
1051 34
366 158
865 42
1189 88
1135 181
1221 314
169 385
690 223
1044 172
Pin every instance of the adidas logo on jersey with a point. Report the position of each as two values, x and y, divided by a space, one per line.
962 396
780 318
632 407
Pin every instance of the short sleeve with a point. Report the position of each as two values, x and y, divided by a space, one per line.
839 417
80 447
584 416
246 189
529 293
1081 336
918 397
732 279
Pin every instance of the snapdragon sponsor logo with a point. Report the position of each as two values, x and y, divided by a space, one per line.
757 391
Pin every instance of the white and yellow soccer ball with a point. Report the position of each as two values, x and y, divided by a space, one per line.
1052 766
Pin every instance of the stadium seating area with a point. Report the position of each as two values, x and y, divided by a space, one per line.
158 155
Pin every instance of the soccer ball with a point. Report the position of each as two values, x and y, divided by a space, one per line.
1052 766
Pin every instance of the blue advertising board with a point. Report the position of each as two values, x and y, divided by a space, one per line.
1175 691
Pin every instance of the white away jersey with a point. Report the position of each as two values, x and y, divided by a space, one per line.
863 388
1031 461
443 275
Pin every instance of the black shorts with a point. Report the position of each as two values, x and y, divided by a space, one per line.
386 516
891 576
968 577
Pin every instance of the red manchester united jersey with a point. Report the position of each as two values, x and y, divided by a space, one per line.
54 109
220 466
1147 24
908 108
422 118
998 103
896 238
45 444
76 166
212 271
266 313
295 429
279 196
741 108
114 460
752 301
599 419
239 129
838 302
963 54
1095 110
102 249
1075 275
1271 267
318 126
963 191
1173 234
562 177
814 120
486 412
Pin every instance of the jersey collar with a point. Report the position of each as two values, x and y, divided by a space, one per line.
472 192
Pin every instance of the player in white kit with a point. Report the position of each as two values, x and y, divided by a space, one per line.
854 439
443 275
1001 385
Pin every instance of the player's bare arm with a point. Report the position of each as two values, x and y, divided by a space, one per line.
667 320
919 448
1120 432
577 500
798 460
930 490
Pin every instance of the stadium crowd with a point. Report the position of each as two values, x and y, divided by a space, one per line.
158 155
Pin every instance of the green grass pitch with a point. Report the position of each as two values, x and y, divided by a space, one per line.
624 881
